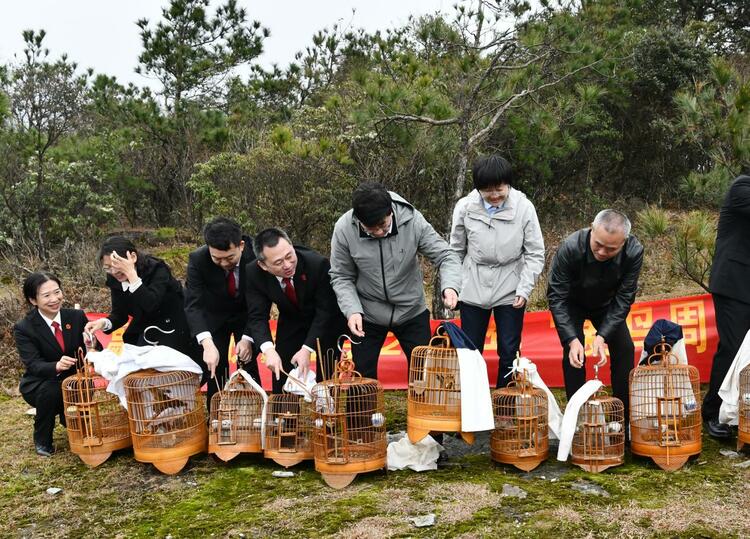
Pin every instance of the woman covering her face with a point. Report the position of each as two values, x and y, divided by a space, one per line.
48 340
142 287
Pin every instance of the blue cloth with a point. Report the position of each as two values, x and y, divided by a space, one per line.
458 338
667 329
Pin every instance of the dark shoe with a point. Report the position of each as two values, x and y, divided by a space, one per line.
44 451
715 429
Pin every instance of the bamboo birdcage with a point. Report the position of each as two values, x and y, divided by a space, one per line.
167 417
434 399
521 435
96 422
289 429
743 409
236 419
349 425
599 439
665 409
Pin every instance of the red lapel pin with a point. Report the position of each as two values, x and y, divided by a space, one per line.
67 326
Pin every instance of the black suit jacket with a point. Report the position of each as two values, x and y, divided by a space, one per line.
159 301
731 264
207 304
317 314
38 348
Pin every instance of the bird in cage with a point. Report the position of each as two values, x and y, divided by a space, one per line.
592 431
521 434
665 415
735 394
448 387
349 424
96 423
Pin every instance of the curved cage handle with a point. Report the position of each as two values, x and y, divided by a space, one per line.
441 339
344 370
662 355
155 343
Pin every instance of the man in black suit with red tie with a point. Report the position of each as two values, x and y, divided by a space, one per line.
214 300
730 289
296 279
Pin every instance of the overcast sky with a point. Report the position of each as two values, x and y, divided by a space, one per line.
102 34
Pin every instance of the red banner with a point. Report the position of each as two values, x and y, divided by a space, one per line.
540 344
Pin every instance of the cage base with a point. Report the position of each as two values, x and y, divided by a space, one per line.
95 455
742 439
670 463
170 467
522 463
667 458
417 434
288 458
597 465
227 452
338 481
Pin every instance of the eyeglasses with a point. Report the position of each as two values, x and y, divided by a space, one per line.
384 226
499 191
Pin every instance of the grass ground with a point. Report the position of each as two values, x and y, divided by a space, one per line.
709 497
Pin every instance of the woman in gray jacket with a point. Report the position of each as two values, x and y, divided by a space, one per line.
496 234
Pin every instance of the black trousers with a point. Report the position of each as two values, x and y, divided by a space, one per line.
221 339
47 399
508 324
732 324
410 334
621 352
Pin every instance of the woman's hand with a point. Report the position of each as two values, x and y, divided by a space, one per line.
125 265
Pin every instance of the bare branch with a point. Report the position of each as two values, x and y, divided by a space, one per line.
422 119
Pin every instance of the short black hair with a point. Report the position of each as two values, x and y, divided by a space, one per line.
491 171
121 245
268 238
371 203
221 233
32 283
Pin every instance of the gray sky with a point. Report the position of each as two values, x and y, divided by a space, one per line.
102 34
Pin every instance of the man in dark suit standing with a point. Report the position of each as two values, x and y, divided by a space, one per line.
296 279
730 289
214 303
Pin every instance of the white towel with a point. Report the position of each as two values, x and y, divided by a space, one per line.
134 358
259 389
419 457
678 349
476 401
730 386
570 419
292 384
554 415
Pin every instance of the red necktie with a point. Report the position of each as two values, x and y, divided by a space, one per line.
59 336
289 291
231 285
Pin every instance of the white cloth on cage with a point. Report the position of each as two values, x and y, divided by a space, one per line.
419 457
249 379
554 415
476 400
645 391
678 349
134 358
730 386
570 418
292 384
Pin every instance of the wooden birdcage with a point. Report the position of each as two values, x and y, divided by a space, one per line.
96 422
434 399
665 409
599 439
743 409
349 425
521 435
289 429
236 419
167 417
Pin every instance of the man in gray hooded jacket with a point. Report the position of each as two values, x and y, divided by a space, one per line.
376 274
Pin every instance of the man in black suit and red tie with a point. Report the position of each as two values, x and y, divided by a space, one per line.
296 279
730 289
214 300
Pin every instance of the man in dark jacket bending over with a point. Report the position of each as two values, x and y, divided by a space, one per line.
594 276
